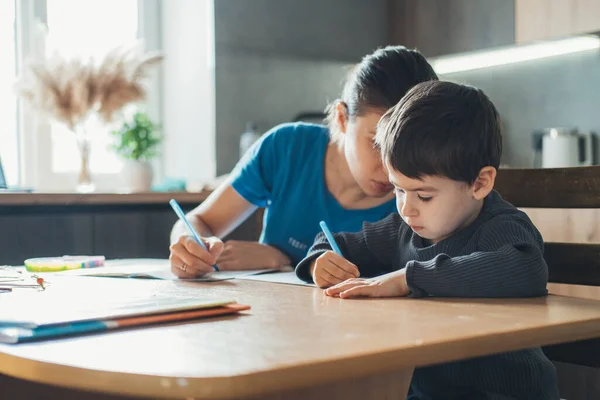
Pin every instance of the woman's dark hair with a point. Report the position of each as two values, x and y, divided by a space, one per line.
380 80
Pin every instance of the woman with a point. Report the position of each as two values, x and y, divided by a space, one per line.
304 173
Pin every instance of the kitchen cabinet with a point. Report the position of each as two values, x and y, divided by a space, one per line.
113 225
548 19
451 26
39 234
455 26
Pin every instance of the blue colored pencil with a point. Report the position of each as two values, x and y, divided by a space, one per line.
330 238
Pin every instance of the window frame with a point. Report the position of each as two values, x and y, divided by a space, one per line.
34 139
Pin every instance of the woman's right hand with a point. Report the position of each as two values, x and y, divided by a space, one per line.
190 260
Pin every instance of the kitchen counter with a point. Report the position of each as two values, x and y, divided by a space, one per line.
116 225
99 199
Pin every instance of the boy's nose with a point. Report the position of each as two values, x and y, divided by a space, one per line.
409 210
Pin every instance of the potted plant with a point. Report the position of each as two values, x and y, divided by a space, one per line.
137 143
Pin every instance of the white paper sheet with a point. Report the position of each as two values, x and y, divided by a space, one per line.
151 269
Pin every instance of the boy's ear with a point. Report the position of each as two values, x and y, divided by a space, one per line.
484 183
341 116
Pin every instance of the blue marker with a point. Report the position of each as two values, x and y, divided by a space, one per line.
330 238
195 235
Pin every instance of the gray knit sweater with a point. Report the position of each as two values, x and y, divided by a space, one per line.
499 255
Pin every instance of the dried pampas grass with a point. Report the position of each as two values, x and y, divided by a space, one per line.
69 90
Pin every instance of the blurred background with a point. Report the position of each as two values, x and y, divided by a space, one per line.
236 66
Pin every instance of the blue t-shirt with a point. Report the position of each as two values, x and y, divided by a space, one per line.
284 172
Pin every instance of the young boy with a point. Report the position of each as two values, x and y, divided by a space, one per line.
453 236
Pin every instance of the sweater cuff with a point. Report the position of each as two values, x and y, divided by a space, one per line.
303 267
415 291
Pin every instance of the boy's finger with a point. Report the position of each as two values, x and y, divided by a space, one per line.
338 272
358 291
344 264
340 287
327 278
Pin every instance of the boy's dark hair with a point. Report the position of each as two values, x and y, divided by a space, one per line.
380 80
441 129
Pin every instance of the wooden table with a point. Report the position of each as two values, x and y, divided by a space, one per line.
294 343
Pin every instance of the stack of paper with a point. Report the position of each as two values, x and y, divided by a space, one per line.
29 321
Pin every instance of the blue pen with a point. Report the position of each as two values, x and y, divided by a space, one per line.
195 235
330 238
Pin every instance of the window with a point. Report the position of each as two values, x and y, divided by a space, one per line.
9 144
43 154
88 28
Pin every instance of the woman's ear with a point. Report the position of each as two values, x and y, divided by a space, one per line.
484 183
341 116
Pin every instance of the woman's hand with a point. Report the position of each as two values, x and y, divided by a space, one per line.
243 255
190 260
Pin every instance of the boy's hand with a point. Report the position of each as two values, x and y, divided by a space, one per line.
330 269
388 285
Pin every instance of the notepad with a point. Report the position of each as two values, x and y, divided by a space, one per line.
31 322
288 278
33 313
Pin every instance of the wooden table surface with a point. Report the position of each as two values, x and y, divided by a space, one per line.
294 338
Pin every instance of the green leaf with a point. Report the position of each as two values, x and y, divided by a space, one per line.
137 139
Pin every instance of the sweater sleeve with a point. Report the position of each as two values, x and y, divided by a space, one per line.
372 249
508 263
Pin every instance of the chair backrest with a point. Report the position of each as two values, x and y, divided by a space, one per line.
568 263
577 187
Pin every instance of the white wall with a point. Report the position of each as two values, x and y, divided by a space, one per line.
188 90
274 59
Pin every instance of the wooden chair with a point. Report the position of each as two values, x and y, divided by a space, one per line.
568 263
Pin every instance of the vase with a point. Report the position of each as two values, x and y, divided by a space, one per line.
84 181
137 175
